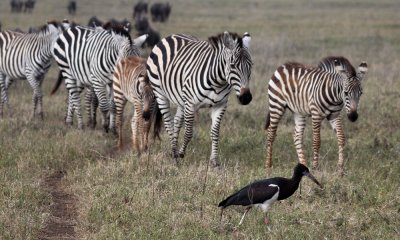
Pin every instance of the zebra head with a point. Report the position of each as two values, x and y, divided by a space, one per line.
238 65
148 98
352 88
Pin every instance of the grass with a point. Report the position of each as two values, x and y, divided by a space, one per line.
123 196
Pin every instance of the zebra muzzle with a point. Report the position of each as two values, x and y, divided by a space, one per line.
146 115
352 116
245 96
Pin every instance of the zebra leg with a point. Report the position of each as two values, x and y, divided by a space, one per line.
275 116
165 109
91 105
135 125
338 127
189 119
36 84
3 91
75 102
104 104
316 125
178 122
119 112
300 122
217 112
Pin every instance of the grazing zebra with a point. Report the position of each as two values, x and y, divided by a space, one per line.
87 57
320 92
27 56
131 84
195 74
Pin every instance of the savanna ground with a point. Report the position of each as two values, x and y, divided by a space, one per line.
119 195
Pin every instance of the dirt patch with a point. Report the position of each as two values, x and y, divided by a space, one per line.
62 220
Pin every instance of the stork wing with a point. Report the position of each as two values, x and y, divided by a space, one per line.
253 193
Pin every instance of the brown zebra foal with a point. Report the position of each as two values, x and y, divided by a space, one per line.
131 84
317 92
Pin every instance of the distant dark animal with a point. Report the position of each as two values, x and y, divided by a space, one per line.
27 56
29 5
265 193
204 74
16 6
130 83
124 23
71 7
140 9
317 92
95 22
160 12
141 24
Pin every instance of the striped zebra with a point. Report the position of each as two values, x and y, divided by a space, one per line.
87 57
320 92
27 56
131 84
195 74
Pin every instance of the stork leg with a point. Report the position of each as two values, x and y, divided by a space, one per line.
266 220
245 212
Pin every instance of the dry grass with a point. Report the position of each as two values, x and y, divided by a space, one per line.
122 196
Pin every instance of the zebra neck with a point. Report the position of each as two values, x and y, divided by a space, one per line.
217 71
337 87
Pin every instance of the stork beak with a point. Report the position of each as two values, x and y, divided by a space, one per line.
313 179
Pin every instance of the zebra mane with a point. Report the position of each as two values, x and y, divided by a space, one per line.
118 29
44 28
297 64
217 40
329 62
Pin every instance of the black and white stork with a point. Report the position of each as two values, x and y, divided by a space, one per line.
264 193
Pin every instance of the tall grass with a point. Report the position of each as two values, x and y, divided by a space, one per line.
123 196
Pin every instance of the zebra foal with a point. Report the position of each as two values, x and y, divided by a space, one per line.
320 92
27 56
130 83
195 74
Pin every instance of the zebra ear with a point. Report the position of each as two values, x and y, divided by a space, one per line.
126 26
140 40
362 70
339 67
246 40
228 41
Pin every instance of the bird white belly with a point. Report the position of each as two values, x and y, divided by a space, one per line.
265 206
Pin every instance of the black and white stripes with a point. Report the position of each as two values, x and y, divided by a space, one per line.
87 57
319 92
26 56
194 74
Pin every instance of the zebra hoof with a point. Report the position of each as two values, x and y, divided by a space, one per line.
181 155
315 165
340 171
215 163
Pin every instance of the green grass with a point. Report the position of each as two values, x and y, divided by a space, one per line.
123 196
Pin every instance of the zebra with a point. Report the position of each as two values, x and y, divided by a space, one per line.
87 57
27 56
320 92
130 83
196 74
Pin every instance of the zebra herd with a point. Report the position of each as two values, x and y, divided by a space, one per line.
181 70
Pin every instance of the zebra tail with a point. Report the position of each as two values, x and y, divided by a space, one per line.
267 121
58 83
157 123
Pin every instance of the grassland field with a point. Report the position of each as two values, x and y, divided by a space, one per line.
123 196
